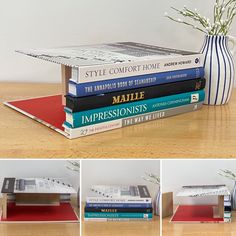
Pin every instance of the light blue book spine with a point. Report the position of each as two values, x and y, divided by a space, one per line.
117 215
95 116
108 86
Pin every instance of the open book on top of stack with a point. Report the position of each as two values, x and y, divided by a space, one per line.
115 85
118 203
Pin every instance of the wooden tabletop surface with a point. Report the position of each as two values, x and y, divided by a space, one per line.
41 229
208 133
198 229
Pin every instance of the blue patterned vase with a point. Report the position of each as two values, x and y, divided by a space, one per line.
156 203
219 68
233 197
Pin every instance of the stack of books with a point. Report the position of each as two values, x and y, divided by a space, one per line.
143 83
227 208
115 85
118 203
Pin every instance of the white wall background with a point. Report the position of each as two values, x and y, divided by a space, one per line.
38 168
117 172
43 24
176 173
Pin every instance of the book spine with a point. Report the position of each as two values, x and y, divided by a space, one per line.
104 114
116 219
118 200
118 210
115 124
118 70
76 104
134 82
118 205
117 215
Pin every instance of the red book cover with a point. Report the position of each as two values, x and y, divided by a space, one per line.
197 213
19 213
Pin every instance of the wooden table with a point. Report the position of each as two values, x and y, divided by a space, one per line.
40 229
208 133
129 228
204 229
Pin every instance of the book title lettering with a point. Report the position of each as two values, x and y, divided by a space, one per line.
121 70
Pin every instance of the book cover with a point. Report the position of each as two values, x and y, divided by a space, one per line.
104 114
39 214
119 194
133 120
36 185
203 190
115 60
125 83
76 104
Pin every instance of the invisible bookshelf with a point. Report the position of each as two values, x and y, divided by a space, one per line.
37 200
208 213
115 85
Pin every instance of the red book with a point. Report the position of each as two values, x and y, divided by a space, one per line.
197 213
19 213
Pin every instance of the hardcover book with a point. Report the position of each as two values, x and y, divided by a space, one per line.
110 99
36 185
119 194
99 115
133 82
116 60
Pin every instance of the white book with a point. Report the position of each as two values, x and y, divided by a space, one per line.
36 185
92 63
119 194
203 190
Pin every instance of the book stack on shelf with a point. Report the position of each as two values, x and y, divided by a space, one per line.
118 203
207 213
110 86
37 200
227 208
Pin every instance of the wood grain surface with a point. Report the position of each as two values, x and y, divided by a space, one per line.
198 229
208 133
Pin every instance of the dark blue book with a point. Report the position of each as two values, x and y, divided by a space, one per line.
119 205
76 104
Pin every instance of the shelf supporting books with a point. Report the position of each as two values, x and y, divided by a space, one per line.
110 86
65 76
37 200
210 213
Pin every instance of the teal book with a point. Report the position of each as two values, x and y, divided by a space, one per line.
104 114
117 215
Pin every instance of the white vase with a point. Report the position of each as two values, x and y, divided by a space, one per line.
233 197
219 68
156 202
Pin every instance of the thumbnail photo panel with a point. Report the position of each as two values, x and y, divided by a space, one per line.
120 197
40 191
196 192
